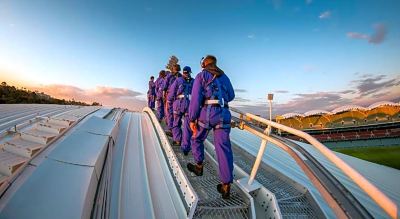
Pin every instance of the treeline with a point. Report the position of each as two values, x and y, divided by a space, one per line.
11 94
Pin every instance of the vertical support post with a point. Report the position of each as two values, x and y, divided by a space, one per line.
258 159
263 145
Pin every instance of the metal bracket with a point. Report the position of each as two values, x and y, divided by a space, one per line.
243 183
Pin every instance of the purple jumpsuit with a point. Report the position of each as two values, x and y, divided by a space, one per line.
169 118
213 116
151 95
159 98
180 94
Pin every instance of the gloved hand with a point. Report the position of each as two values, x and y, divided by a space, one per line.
193 127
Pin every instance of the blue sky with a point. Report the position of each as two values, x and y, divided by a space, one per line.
308 52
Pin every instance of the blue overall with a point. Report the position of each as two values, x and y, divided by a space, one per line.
169 117
159 98
206 86
180 94
151 95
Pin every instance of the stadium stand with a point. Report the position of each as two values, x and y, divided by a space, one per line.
348 123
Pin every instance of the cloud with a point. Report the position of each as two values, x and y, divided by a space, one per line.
325 15
238 90
240 99
281 91
355 35
114 92
372 84
376 38
308 2
251 36
108 96
364 91
348 92
379 35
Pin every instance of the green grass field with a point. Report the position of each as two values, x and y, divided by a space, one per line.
388 156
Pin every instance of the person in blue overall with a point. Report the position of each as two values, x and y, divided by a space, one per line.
208 109
169 80
180 92
159 95
151 93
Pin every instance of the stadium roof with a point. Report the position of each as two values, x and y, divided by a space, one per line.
382 103
316 112
347 108
290 115
340 109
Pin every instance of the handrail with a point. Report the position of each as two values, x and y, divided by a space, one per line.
372 191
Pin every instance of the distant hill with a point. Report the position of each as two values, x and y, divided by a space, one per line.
11 94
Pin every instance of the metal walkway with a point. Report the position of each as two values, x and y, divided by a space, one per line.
294 200
211 204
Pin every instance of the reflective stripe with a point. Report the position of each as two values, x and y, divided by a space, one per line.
181 96
209 102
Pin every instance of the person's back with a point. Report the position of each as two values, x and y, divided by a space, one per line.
159 95
170 78
180 95
211 92
151 93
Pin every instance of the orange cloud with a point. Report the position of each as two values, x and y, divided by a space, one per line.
108 96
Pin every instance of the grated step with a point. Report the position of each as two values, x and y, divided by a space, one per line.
22 147
10 162
292 203
211 204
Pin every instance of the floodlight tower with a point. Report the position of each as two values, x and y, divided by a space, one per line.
270 98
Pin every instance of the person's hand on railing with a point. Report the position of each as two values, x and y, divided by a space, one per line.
193 127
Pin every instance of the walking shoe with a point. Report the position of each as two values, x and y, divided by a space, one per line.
176 143
195 168
225 190
168 133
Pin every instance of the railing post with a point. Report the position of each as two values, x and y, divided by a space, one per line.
259 158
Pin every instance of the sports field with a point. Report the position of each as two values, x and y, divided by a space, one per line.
388 156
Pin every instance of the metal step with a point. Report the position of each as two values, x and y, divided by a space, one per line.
22 147
38 136
10 162
292 201
210 204
49 127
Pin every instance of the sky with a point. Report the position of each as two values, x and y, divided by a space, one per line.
312 54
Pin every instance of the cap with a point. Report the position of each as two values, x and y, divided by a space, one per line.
187 69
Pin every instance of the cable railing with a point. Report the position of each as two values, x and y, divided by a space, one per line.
371 190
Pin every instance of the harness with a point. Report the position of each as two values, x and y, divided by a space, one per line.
184 93
216 99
